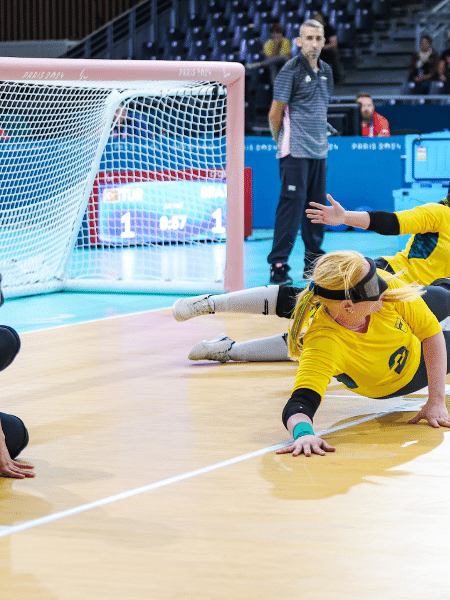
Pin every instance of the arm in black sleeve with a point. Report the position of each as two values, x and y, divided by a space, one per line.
384 222
303 400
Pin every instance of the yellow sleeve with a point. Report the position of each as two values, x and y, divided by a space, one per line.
423 219
318 362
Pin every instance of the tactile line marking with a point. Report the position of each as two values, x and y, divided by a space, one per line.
8 530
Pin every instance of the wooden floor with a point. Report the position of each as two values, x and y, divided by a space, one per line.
157 478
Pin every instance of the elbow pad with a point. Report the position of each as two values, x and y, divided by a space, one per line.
304 401
384 222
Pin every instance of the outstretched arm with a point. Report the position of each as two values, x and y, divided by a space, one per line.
337 215
297 418
435 355
307 443
379 221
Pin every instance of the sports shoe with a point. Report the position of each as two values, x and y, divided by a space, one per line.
216 349
279 274
186 308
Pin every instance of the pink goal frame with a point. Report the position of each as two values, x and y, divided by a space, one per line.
231 75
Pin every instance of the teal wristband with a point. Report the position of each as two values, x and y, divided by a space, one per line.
302 429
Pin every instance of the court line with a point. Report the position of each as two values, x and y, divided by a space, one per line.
422 391
85 321
8 530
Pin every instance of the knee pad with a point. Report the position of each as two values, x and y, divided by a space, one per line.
9 345
16 434
287 298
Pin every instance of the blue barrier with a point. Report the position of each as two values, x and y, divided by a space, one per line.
361 171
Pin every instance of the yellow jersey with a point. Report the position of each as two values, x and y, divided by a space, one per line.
427 253
376 363
269 47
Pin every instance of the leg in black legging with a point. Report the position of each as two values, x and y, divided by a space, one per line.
9 346
16 434
437 298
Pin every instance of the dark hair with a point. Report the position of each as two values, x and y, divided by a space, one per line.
324 18
276 28
425 36
363 95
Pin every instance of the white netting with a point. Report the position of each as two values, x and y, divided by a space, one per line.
104 187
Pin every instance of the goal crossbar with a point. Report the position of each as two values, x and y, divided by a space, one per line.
61 118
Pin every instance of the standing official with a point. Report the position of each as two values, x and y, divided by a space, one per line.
298 122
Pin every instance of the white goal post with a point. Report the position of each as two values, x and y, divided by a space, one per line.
121 176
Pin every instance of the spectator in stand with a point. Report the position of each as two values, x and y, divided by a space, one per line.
444 69
277 51
330 52
372 124
3 135
423 68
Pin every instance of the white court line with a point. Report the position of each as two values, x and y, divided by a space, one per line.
8 530
422 391
132 314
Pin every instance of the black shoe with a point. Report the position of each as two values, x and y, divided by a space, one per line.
279 274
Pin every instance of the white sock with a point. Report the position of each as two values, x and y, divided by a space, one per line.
259 301
269 349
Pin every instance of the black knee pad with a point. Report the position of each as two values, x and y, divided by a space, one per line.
16 434
287 298
9 345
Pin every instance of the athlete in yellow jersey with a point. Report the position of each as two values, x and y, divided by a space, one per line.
370 331
375 334
427 253
426 259
331 350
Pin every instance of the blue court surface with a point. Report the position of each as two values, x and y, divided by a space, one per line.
60 309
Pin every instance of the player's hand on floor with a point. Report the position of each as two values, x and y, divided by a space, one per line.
437 416
13 468
329 215
307 445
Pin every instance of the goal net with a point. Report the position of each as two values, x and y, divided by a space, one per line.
121 176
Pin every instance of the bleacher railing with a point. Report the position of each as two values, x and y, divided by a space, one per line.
123 37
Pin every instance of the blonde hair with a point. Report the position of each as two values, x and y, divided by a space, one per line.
336 271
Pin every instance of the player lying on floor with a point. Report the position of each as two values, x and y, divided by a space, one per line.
425 260
370 331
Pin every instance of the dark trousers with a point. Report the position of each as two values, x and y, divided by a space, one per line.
16 434
302 180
